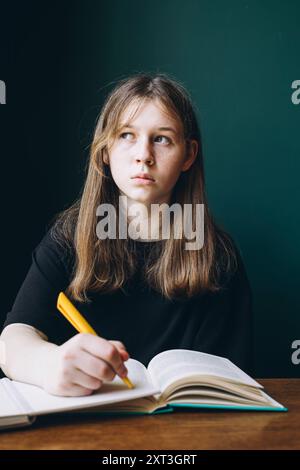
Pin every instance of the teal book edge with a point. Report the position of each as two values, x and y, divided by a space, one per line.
229 407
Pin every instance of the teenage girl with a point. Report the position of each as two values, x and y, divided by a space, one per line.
148 293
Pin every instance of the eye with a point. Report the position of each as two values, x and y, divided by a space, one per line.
167 140
124 134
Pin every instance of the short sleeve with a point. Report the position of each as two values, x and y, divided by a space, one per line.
227 326
35 303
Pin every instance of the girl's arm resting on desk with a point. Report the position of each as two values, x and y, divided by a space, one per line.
76 368
26 354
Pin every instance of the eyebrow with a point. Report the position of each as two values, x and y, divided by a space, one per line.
159 128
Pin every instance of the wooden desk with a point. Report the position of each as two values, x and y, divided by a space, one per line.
204 429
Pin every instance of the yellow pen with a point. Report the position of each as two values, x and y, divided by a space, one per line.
71 313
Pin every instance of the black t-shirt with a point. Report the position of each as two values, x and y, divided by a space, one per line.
145 321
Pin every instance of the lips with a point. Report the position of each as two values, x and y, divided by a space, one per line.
145 176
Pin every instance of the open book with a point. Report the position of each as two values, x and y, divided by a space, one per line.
176 378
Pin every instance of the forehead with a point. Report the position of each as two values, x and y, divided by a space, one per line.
149 113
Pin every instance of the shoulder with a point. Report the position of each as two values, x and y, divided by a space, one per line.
54 250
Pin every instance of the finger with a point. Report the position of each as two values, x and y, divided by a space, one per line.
104 350
120 346
124 355
85 380
95 367
74 390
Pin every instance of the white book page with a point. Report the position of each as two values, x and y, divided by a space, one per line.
173 364
8 404
41 402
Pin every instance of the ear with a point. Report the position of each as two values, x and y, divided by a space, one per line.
105 157
192 150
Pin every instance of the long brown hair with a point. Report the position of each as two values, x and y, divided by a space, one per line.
106 265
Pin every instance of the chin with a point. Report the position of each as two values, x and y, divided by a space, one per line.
141 195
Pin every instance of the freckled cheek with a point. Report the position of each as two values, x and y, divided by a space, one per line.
120 173
122 179
119 165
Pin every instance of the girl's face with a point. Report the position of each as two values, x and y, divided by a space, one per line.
152 143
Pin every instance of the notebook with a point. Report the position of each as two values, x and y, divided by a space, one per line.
174 379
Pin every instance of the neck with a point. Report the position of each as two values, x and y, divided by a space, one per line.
141 219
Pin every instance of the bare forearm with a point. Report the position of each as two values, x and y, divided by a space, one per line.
25 354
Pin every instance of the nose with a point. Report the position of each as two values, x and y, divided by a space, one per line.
144 154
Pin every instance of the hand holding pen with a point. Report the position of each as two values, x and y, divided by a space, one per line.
85 361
